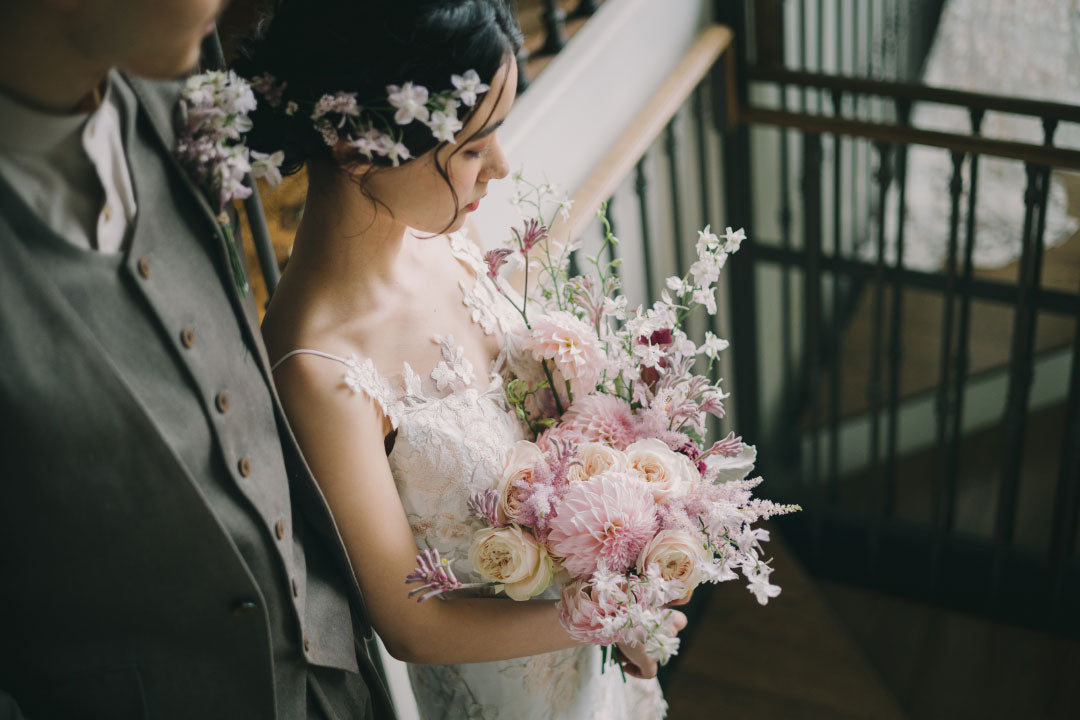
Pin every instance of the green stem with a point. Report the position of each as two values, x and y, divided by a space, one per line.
239 276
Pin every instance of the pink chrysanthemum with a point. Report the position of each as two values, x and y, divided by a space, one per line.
600 418
607 520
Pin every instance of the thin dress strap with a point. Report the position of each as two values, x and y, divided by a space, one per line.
306 351
361 376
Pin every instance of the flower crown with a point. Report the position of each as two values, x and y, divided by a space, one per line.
376 130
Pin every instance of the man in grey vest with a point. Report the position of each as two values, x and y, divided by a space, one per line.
164 550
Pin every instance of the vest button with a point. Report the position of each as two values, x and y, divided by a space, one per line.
295 588
187 337
144 267
307 645
244 466
244 608
279 529
222 402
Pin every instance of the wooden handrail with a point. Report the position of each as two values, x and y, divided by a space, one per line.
915 92
643 130
905 135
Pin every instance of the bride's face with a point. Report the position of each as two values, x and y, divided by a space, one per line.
418 195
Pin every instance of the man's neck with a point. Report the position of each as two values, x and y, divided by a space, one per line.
41 69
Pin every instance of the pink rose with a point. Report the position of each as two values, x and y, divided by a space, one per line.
667 473
677 555
520 468
512 556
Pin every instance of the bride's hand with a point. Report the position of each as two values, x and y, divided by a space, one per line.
633 658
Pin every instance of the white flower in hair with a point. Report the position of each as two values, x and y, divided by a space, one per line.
410 101
444 125
468 86
267 166
397 152
370 142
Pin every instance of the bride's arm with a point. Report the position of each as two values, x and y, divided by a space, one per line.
341 435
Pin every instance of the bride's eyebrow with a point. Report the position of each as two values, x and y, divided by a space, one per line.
486 131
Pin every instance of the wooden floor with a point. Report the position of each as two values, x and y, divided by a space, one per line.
790 660
831 651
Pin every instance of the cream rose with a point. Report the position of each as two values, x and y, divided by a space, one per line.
667 472
512 556
678 556
596 458
520 465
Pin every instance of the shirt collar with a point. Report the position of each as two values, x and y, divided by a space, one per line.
28 131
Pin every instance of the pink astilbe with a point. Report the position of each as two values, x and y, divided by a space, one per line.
606 519
545 489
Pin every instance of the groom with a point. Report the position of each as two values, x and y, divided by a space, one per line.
164 551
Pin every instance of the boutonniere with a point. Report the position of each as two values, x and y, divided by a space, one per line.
214 109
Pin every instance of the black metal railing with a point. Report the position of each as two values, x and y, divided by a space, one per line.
870 541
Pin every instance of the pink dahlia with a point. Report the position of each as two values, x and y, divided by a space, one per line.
606 519
572 345
600 418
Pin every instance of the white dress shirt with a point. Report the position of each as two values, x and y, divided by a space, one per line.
71 170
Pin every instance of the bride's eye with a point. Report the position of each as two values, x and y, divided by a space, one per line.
476 153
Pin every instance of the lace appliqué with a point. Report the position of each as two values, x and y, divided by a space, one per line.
454 371
361 376
485 300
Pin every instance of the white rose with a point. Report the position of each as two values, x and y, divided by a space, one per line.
678 555
596 458
667 472
520 465
511 556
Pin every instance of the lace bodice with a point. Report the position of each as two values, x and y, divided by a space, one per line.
452 435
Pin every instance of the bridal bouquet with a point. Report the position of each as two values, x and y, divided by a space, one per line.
618 497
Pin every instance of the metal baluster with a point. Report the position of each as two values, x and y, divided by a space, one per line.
837 328
641 187
610 217
522 57
1021 371
585 8
1067 493
784 218
738 203
671 146
895 341
812 222
701 118
961 358
554 28
820 27
940 481
873 390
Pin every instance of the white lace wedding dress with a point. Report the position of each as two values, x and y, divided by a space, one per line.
452 436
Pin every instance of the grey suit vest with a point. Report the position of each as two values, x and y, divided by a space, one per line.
164 551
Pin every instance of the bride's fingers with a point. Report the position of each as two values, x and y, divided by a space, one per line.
677 620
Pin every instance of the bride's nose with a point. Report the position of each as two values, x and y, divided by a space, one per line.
497 166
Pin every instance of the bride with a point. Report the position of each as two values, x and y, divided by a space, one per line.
388 337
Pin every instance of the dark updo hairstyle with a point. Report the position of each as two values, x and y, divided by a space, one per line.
322 47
